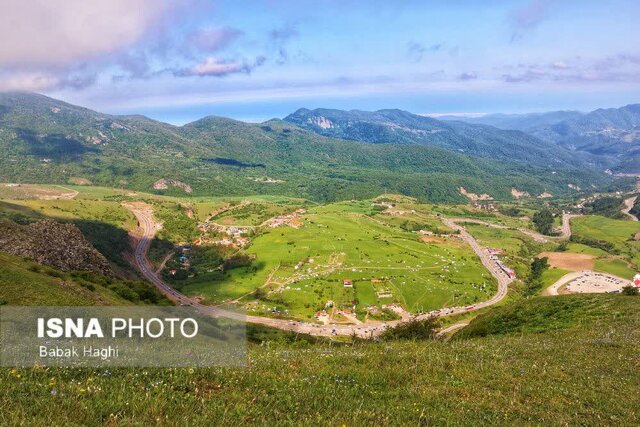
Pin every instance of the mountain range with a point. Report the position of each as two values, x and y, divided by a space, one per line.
609 136
321 155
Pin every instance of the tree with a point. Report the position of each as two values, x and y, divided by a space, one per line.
413 330
538 266
533 282
631 290
260 293
543 221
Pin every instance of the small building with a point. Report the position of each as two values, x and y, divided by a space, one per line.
636 280
242 241
348 283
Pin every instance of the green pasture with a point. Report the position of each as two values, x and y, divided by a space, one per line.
307 267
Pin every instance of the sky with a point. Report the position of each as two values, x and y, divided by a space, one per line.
253 60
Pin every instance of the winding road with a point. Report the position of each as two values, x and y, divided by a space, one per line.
148 226
628 205
566 224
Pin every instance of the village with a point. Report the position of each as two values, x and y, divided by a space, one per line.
228 237
238 236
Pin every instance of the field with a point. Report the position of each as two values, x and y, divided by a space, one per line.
42 192
301 270
569 261
617 232
611 241
499 370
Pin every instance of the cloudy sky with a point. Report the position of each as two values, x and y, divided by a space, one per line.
180 60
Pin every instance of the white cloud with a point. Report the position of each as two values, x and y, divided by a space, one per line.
59 33
213 67
219 68
31 81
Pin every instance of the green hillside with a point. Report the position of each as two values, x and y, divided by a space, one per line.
545 314
582 372
23 282
48 141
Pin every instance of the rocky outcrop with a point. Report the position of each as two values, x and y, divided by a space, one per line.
473 196
164 184
54 244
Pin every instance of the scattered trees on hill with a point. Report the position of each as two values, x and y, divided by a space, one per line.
510 211
605 206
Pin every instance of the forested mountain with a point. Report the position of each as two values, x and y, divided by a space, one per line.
46 140
402 127
609 136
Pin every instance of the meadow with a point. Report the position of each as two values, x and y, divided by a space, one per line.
613 241
569 360
301 270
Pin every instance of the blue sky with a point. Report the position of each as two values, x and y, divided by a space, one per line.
253 60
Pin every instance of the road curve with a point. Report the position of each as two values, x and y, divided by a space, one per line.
566 224
628 205
149 228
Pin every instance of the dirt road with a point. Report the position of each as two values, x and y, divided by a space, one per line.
566 224
149 227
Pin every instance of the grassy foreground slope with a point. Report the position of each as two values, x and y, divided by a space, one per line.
23 282
580 373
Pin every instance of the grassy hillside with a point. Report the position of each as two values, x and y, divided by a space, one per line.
545 314
580 372
23 282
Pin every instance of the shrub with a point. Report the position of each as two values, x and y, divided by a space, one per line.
631 290
413 330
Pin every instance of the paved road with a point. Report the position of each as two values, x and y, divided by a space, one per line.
503 279
628 205
149 228
540 238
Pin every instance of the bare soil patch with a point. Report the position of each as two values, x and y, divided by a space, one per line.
570 261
